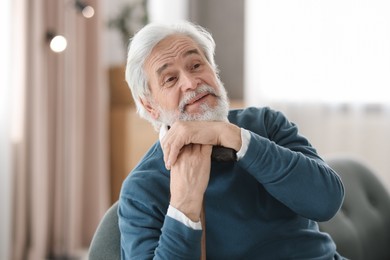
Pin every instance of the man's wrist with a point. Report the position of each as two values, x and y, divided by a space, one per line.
181 217
245 139
191 208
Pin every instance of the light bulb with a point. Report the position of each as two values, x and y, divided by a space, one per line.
88 11
58 43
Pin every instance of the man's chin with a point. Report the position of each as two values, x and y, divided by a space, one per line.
206 113
203 112
197 110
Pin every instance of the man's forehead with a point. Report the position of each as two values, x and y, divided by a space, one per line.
171 47
172 41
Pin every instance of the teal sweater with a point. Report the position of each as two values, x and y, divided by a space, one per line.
264 206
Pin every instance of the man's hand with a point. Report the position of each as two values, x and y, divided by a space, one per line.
189 179
183 133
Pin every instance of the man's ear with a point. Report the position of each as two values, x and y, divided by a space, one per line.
153 112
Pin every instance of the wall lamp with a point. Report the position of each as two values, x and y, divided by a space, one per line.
58 43
86 10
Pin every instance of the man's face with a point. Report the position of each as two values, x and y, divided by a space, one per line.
183 84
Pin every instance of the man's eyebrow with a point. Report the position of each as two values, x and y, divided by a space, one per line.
187 53
161 69
190 52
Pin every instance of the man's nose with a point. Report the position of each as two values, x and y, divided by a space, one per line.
188 82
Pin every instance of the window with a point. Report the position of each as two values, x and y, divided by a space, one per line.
317 51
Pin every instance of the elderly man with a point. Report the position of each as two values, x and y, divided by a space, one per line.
261 184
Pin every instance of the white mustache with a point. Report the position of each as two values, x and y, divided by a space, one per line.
189 96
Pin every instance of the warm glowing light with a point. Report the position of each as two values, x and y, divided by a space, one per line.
58 43
88 11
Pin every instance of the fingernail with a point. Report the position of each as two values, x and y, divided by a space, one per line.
168 165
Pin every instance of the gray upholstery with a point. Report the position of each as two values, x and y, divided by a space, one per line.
105 243
361 229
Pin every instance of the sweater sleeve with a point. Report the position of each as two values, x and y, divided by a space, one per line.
146 231
289 168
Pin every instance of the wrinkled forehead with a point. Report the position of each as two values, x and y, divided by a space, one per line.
170 48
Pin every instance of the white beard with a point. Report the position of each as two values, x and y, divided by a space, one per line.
217 113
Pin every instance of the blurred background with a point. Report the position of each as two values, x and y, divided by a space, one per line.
69 133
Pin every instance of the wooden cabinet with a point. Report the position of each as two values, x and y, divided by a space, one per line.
130 136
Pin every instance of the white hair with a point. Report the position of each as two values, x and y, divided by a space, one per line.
142 44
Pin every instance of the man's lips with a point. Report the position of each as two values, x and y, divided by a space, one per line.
198 98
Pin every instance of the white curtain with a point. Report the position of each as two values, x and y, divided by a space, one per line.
61 185
326 65
360 131
317 51
5 123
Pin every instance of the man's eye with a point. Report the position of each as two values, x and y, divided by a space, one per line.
195 66
169 81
